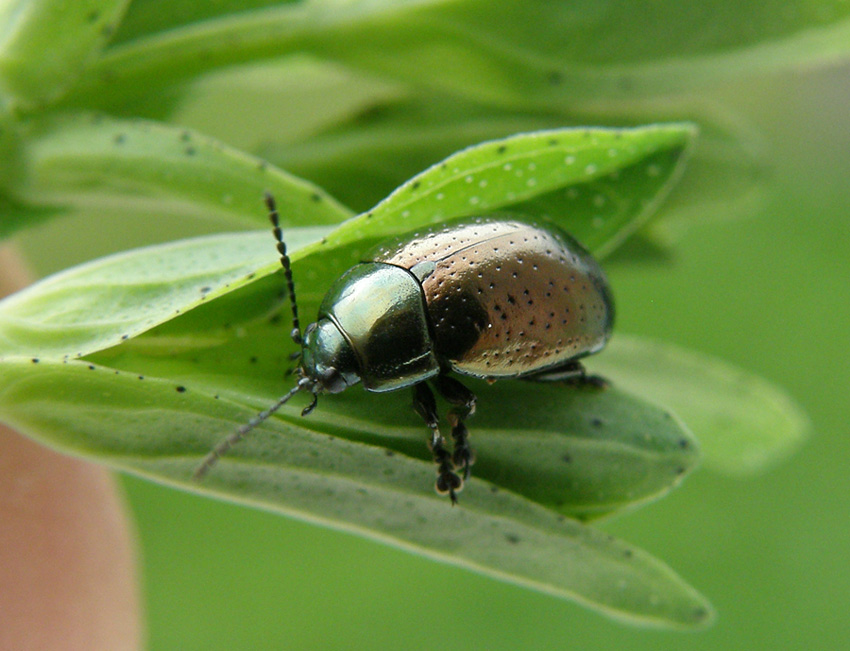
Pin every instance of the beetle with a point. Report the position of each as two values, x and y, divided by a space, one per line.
491 297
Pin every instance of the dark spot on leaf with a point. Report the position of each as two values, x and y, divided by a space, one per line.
415 185
566 458
93 16
141 377
316 197
389 453
251 276
185 136
119 139
596 422
628 553
502 149
684 444
190 151
512 538
125 337
204 290
181 389
554 78
35 360
253 359
91 367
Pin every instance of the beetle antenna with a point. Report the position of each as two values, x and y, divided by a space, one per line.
284 261
225 444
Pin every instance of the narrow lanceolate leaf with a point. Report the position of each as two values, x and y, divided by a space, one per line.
743 423
44 44
102 303
584 453
157 428
85 161
598 184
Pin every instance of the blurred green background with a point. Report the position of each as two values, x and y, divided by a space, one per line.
769 293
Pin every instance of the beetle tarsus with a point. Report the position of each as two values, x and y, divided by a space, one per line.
448 481
464 406
463 456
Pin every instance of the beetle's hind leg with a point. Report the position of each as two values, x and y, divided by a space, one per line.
573 372
463 406
448 481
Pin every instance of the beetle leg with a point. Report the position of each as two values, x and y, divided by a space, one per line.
426 406
572 373
463 401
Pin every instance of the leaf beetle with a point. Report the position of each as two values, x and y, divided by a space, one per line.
491 297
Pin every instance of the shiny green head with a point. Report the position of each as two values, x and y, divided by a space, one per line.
327 358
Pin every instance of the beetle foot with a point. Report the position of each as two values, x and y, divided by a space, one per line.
463 456
448 481
451 483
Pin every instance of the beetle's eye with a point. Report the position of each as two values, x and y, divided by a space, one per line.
332 381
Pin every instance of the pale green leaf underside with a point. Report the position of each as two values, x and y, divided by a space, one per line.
743 423
148 427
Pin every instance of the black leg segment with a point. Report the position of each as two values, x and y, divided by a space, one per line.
426 406
463 401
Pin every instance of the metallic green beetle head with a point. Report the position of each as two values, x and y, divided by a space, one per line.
327 358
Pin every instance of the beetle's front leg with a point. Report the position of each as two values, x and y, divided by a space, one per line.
447 480
463 401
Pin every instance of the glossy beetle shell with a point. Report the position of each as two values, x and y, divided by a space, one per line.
507 298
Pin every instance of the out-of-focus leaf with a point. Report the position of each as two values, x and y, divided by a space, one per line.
87 161
44 44
512 53
743 423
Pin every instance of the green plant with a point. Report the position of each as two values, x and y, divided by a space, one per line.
108 117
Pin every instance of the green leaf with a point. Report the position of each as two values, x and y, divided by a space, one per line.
85 161
102 303
44 44
511 53
147 427
598 184
743 423
146 359
584 453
